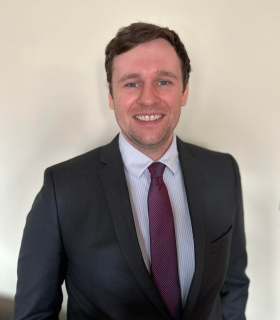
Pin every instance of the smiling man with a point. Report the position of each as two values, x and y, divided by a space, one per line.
147 95
146 227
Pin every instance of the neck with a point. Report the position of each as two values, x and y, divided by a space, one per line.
154 152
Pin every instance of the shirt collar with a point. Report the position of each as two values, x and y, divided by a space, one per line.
136 162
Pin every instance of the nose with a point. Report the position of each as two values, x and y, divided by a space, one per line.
148 96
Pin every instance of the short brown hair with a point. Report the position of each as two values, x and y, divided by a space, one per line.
131 36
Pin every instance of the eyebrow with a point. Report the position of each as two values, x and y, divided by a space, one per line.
161 73
129 76
164 73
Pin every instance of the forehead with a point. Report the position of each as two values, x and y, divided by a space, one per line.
148 57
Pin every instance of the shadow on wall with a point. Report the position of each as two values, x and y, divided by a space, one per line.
7 309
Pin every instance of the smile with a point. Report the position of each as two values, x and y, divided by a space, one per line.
149 118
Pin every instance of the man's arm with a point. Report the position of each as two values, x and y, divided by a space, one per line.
41 265
234 292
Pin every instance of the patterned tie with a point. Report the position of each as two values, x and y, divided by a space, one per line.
163 242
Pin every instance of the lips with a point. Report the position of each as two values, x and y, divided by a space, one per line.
152 117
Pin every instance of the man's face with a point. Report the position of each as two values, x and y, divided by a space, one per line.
148 94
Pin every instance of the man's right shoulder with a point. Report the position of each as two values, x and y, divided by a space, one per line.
91 160
88 158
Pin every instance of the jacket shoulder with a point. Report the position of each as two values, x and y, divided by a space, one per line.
199 151
90 158
94 159
208 159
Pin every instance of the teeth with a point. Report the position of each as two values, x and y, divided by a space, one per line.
149 118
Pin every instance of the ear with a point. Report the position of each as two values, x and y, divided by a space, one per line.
111 101
185 95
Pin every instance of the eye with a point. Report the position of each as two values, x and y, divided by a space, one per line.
132 85
163 83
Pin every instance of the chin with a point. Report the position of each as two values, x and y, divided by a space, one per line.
151 142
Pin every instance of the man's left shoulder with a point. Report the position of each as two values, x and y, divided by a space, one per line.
200 152
207 159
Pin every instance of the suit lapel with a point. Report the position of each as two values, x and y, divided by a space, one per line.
115 188
193 179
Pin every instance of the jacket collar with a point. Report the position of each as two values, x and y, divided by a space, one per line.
193 178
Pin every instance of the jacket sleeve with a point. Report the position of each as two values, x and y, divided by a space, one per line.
234 292
41 264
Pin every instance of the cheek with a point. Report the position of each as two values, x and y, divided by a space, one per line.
125 101
174 100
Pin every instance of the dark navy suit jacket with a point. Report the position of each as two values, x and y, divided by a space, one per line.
81 230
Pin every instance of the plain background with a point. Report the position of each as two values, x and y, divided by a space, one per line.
54 106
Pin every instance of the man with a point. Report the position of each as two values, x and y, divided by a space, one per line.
146 227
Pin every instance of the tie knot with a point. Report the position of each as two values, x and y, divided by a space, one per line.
156 169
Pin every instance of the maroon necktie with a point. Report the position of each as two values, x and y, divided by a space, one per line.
163 242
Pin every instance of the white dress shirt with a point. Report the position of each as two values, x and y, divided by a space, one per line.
138 181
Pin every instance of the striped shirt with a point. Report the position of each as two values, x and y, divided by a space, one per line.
138 181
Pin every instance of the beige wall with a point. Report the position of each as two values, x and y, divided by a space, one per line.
53 102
